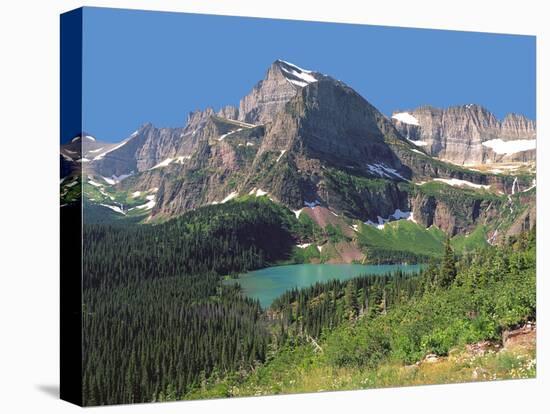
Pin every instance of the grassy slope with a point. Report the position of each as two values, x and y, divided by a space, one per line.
402 235
303 370
406 236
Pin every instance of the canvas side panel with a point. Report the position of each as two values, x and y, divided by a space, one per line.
71 208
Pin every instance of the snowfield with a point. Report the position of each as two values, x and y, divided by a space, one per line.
397 215
100 156
114 208
149 205
384 171
164 163
417 143
230 197
229 133
455 182
114 179
92 182
303 75
510 147
257 192
406 118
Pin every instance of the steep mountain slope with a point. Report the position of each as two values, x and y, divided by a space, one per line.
469 134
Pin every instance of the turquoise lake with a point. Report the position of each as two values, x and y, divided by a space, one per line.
269 283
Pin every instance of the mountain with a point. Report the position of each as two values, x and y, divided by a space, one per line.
314 145
469 134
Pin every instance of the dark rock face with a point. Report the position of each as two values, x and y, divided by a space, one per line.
457 134
452 217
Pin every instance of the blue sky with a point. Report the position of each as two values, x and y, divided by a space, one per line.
141 66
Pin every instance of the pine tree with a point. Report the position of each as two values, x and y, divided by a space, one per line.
448 271
350 295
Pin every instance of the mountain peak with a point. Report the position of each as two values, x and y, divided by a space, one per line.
295 74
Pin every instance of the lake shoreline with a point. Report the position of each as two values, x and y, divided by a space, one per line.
268 283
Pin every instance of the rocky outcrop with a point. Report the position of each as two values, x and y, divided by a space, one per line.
229 112
515 126
466 134
524 336
457 213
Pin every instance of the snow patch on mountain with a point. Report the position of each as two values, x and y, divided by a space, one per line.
418 143
92 182
114 208
230 197
149 205
406 118
297 75
229 133
102 155
164 163
455 182
510 147
396 215
115 179
280 155
384 171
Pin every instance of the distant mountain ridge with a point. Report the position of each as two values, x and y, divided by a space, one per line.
469 134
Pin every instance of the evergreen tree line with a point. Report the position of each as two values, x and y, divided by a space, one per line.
326 305
220 239
156 316
142 338
452 302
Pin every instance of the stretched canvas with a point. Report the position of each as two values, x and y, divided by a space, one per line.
257 206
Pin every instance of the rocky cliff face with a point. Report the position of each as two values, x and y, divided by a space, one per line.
282 82
326 125
453 217
468 134
268 97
